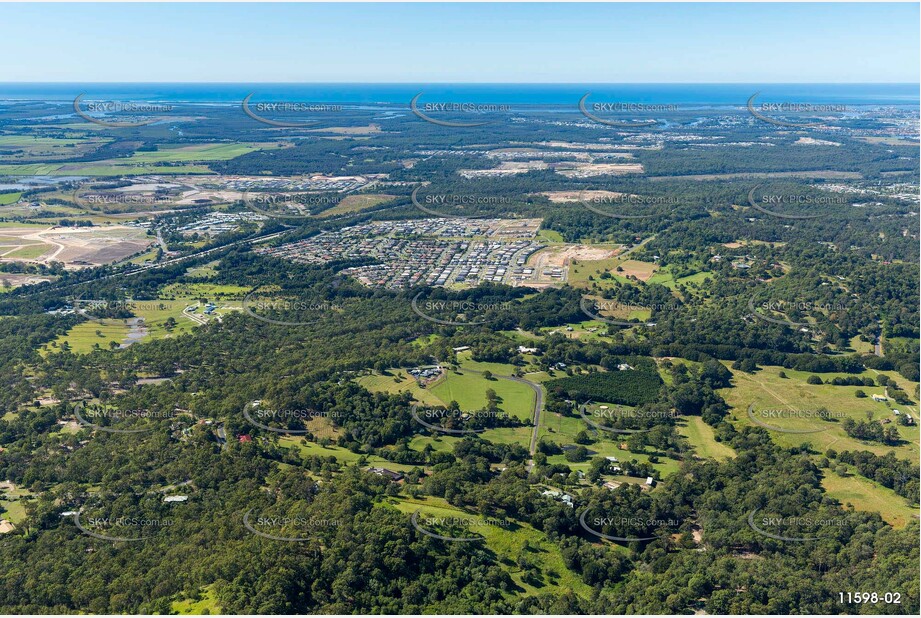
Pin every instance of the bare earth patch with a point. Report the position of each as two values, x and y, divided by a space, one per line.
641 270
84 246
811 141
562 197
585 170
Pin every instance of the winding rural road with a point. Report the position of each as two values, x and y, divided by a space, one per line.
634 247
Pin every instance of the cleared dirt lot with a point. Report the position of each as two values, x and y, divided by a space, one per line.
585 170
551 265
563 197
641 270
75 247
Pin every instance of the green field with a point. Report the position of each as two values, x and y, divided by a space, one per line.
207 604
199 152
862 347
469 391
465 361
549 236
563 430
210 291
154 314
342 455
356 203
767 390
12 506
9 198
150 255
398 382
866 495
580 271
666 278
508 543
29 252
83 337
17 225
701 437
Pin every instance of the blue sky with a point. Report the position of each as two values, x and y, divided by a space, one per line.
589 43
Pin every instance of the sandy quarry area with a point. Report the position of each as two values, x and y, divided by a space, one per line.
811 141
551 265
15 280
563 197
188 194
76 247
560 256
585 170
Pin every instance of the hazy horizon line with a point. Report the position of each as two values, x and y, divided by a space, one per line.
502 83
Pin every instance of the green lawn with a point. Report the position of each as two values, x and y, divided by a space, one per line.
701 437
83 336
9 198
12 507
342 455
29 169
198 152
210 291
207 604
563 430
398 382
465 360
666 278
867 495
469 391
767 390
29 252
550 236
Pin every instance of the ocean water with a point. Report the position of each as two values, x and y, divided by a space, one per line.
511 94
